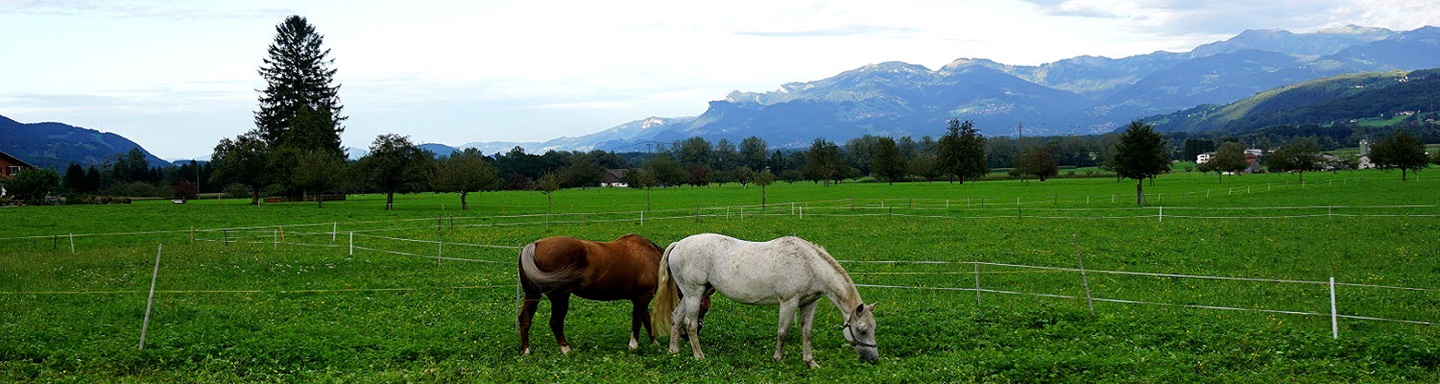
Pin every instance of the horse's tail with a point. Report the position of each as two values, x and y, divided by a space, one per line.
666 296
566 274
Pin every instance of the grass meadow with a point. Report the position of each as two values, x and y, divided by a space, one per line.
429 291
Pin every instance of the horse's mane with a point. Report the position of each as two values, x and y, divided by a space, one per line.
840 270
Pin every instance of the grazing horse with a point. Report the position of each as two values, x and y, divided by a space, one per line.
789 272
624 269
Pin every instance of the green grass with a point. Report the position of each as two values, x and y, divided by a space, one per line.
254 311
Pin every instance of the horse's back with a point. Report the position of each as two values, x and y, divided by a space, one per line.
620 269
745 271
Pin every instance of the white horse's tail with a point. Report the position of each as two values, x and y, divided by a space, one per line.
666 296
563 275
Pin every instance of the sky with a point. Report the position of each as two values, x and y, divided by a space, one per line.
177 76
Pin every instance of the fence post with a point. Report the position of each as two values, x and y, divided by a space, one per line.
352 243
439 252
642 218
802 212
977 282
334 229
72 240
225 238
145 324
1083 278
1334 315
1162 214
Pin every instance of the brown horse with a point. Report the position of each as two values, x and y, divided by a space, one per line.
624 269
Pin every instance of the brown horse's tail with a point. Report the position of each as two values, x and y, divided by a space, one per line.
564 275
666 296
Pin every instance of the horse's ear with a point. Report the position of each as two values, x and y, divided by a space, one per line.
872 306
859 308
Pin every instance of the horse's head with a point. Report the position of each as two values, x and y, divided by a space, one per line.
859 330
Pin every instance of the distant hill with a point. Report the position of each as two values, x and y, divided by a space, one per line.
1329 101
1081 95
56 145
438 149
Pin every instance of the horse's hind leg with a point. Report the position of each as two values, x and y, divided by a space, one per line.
787 314
528 304
687 315
559 305
640 317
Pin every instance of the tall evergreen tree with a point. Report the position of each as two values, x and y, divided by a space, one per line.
300 105
1140 155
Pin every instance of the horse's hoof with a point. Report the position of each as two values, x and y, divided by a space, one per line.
525 352
565 350
812 364
634 344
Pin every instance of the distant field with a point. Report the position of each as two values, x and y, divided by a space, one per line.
404 307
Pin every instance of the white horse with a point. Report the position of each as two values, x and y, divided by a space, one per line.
789 272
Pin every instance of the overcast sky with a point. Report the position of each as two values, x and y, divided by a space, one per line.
177 76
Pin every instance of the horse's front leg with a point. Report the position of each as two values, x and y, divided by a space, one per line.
528 304
807 322
787 314
559 305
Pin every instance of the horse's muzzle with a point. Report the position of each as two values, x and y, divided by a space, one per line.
869 355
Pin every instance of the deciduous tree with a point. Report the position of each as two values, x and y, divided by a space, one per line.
1299 155
394 164
244 160
1402 151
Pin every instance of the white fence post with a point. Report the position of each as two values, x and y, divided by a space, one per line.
1162 214
1334 315
977 282
352 243
1083 278
439 252
145 324
334 230
72 241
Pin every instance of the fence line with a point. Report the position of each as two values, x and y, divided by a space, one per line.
977 289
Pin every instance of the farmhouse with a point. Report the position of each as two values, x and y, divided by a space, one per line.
614 178
11 165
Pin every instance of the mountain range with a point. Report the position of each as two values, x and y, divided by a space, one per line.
1081 95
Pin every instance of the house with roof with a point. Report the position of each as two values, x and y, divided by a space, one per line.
614 178
11 165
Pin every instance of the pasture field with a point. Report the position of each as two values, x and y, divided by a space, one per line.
429 291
